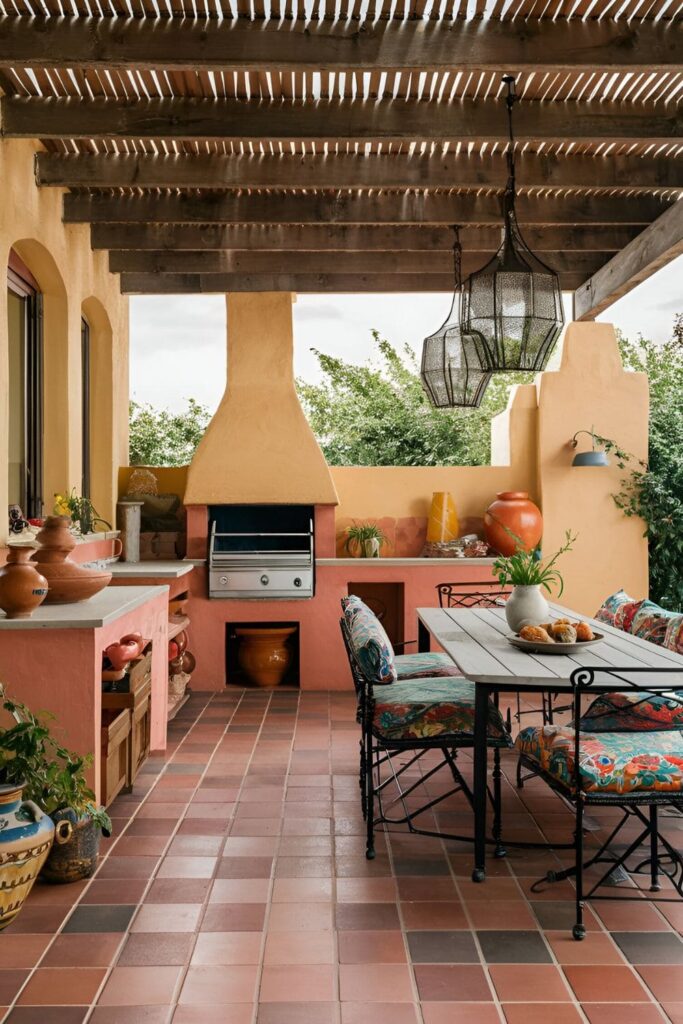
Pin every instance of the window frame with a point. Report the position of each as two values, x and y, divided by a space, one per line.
21 282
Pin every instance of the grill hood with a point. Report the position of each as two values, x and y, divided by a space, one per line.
259 448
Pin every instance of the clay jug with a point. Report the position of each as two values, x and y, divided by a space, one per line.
22 588
26 836
67 581
514 510
263 654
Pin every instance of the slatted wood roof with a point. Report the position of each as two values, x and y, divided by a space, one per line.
281 130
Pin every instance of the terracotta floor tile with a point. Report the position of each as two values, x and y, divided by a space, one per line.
461 1013
430 916
516 914
167 890
249 846
605 984
45 1014
215 949
448 983
151 949
297 983
298 890
187 867
622 916
296 1013
81 950
375 1013
58 986
239 890
622 1013
378 983
129 1015
114 890
301 947
442 947
596 948
525 983
234 1013
140 986
208 986
665 983
10 983
366 890
539 1013
167 917
128 867
287 917
96 918
240 917
674 1012
22 950
367 917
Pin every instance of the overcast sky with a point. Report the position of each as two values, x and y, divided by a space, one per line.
177 342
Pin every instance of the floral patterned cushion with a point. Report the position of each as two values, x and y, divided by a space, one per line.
611 762
430 665
370 643
651 622
635 711
426 708
618 610
673 638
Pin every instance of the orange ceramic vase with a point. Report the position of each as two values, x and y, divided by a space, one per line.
263 654
513 510
22 588
68 581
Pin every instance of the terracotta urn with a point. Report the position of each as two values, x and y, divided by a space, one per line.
26 835
22 588
263 654
513 510
68 581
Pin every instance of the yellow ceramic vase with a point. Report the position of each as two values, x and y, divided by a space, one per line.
443 525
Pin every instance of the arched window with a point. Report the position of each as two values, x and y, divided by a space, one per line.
25 344
85 408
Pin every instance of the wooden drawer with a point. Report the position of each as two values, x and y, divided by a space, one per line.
141 731
140 672
116 746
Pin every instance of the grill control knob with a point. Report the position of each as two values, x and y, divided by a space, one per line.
297 581
223 580
265 580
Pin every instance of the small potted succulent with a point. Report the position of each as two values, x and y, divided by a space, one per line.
365 539
54 779
80 510
527 573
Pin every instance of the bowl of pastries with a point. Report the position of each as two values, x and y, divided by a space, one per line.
559 637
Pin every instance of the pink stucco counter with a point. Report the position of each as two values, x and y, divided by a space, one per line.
53 661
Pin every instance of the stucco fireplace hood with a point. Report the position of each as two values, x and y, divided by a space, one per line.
259 448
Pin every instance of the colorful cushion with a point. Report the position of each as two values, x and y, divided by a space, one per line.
651 622
635 711
610 762
369 641
430 665
673 638
426 708
618 610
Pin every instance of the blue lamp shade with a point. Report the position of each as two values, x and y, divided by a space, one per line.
592 458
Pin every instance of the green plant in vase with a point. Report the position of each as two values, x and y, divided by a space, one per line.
528 574
365 539
80 510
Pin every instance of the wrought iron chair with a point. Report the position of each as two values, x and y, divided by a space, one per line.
378 749
589 768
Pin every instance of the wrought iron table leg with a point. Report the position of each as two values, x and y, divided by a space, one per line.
481 709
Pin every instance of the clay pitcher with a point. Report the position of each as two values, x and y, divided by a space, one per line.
26 835
514 510
263 654
22 588
67 580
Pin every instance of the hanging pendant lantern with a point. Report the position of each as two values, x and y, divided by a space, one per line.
452 370
515 301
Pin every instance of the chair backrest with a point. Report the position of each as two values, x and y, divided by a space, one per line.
477 594
360 683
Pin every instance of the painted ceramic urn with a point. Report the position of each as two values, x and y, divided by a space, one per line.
513 511
68 581
22 587
26 836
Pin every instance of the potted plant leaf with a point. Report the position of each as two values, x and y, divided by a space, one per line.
80 510
527 573
54 778
365 539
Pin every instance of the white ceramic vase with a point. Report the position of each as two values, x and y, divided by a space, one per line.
526 606
371 547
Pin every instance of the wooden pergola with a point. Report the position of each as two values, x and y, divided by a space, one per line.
222 145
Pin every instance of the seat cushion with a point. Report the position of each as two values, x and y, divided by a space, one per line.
369 641
635 711
609 762
651 622
427 708
430 665
673 638
618 610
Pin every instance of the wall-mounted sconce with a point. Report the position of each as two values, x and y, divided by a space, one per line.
595 457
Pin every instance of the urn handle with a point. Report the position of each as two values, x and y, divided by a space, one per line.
33 809
63 832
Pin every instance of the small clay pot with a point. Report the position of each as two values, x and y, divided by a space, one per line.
75 851
22 588
513 511
68 582
263 653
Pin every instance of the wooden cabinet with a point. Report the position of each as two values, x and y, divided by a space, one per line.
116 744
136 707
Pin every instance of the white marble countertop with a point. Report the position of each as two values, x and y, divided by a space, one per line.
160 569
110 604
28 537
413 562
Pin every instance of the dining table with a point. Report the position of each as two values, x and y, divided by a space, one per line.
478 641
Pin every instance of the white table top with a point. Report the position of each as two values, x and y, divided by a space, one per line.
476 640
110 604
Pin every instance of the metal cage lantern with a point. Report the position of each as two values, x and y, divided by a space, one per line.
453 372
515 301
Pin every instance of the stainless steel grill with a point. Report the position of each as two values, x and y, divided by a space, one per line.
258 563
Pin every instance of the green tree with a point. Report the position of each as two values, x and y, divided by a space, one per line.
159 437
379 414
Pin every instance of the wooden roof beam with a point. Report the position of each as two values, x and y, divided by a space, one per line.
197 284
390 208
579 121
351 171
364 238
656 246
478 45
